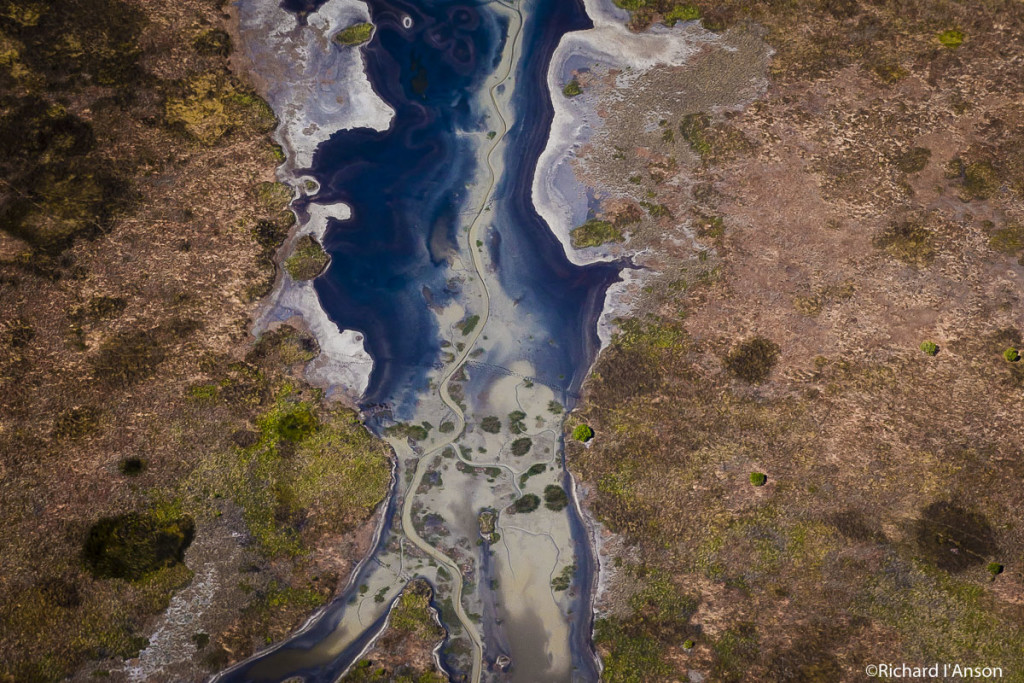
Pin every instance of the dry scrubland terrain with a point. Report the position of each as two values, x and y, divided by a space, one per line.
870 201
148 448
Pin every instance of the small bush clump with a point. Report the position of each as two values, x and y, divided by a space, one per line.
1011 355
995 569
952 38
521 446
491 424
555 497
572 88
753 360
930 347
583 433
132 467
527 503
758 478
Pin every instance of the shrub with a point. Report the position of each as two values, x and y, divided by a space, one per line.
133 545
307 260
564 579
995 569
753 360
132 467
534 470
356 34
572 88
469 324
930 347
554 407
758 478
951 38
527 503
515 422
555 498
1011 355
689 645
913 160
521 446
980 181
446 427
491 424
583 433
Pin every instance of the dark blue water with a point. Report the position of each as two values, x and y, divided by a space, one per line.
406 187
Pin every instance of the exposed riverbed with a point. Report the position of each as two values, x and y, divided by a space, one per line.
477 326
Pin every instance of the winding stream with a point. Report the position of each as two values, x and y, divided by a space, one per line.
480 331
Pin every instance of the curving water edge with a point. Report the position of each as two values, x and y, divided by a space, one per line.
485 256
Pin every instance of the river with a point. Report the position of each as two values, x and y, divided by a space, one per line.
480 331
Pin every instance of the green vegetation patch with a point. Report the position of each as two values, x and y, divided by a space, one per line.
521 446
515 422
134 545
491 424
929 347
752 360
412 614
913 160
469 324
572 88
907 241
307 260
951 38
758 478
527 503
308 469
356 34
1011 355
555 498
1008 240
582 433
208 106
594 233
563 579
532 472
681 13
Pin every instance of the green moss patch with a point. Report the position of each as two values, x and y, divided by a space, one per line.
907 241
572 88
594 233
356 34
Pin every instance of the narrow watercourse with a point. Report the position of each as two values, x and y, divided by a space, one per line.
415 221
